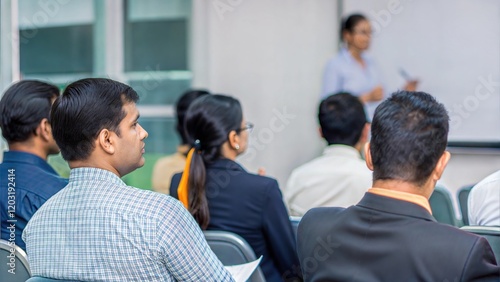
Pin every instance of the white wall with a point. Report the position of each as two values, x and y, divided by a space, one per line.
270 55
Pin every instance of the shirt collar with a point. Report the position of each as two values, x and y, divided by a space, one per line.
403 196
84 174
342 150
27 158
347 55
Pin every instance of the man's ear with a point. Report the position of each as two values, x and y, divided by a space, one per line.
106 141
44 130
364 134
368 156
441 165
320 131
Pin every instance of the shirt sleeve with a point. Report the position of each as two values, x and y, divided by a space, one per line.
471 206
332 79
280 235
185 250
481 264
484 204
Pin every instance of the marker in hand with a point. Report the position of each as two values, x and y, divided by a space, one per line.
405 75
411 83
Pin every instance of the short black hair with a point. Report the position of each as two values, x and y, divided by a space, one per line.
181 107
85 108
409 135
349 23
23 106
342 118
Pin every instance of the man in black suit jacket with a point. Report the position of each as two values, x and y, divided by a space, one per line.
390 235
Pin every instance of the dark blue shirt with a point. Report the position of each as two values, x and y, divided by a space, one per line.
29 181
251 206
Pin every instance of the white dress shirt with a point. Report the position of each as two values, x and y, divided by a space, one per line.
484 202
338 178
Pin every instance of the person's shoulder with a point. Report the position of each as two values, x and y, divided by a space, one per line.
306 167
493 178
321 212
173 159
336 61
260 181
152 202
313 221
445 234
38 181
167 166
52 185
255 186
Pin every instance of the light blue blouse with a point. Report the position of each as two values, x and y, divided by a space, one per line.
344 74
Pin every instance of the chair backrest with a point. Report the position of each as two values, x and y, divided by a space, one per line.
13 263
491 233
463 197
442 207
295 220
231 249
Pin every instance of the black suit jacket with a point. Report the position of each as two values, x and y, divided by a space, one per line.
385 239
251 206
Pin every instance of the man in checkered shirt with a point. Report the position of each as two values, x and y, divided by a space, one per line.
97 228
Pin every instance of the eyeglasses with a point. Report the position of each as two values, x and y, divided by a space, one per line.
248 126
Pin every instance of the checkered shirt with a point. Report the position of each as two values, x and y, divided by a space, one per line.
99 229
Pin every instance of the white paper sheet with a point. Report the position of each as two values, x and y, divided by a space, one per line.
242 272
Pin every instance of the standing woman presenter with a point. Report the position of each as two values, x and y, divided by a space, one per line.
352 70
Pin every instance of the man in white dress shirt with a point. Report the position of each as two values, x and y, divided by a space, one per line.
339 177
484 202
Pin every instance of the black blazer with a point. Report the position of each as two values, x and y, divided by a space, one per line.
385 239
251 206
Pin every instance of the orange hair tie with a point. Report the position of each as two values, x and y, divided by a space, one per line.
183 189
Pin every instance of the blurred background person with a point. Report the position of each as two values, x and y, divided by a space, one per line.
167 166
340 176
25 122
352 70
222 195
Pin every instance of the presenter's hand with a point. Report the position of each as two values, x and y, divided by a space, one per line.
373 96
411 85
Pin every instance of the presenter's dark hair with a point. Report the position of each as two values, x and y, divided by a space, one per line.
209 120
349 23
181 107
409 135
342 118
23 106
85 108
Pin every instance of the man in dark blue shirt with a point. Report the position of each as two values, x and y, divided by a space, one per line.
26 179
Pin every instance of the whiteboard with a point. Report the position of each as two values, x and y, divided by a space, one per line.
452 47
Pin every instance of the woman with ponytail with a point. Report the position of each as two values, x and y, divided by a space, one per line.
222 195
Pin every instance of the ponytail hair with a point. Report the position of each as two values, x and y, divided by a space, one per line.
208 122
